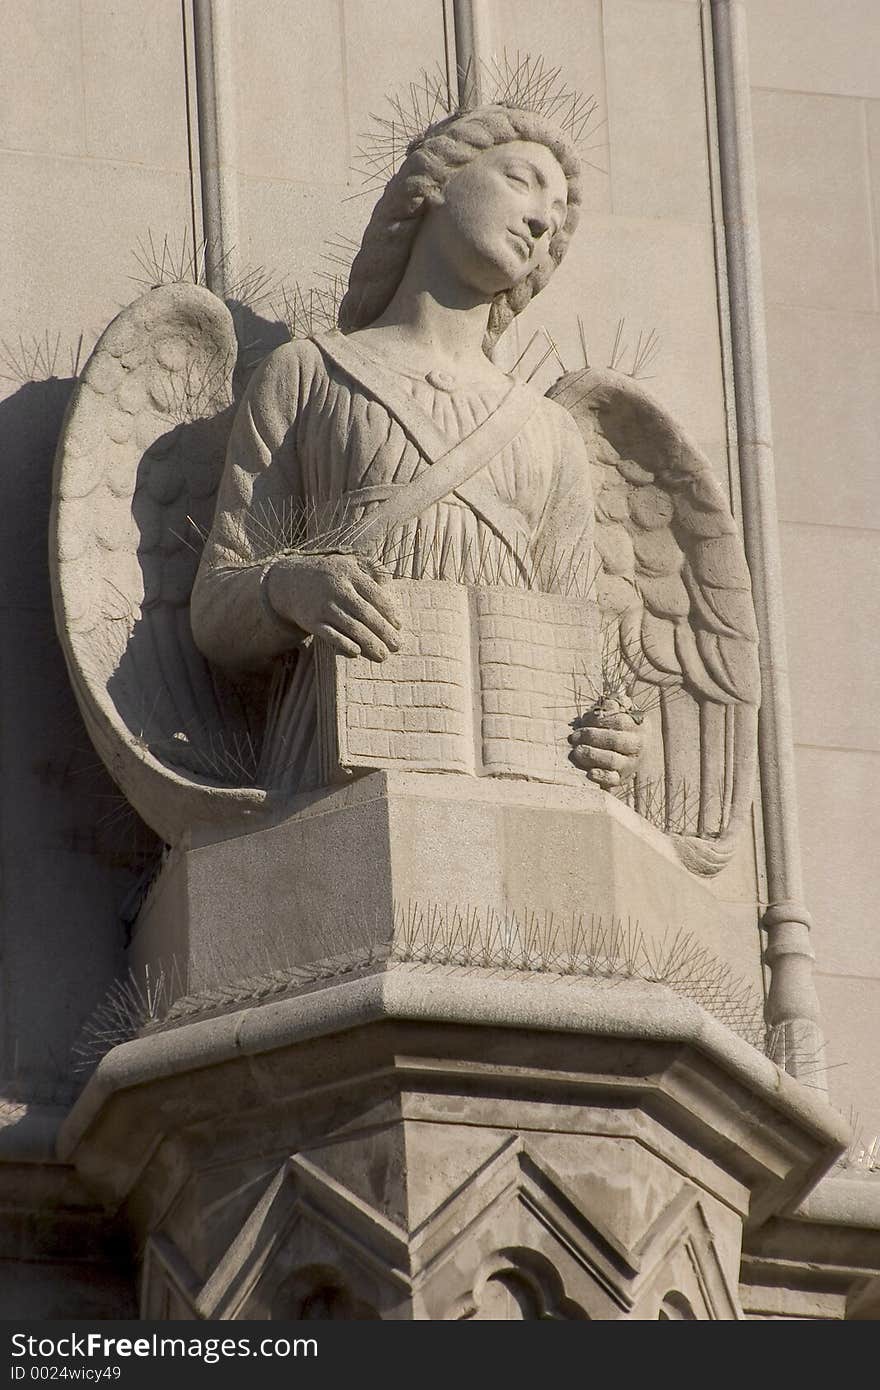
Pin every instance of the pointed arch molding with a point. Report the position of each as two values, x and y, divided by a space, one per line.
511 1217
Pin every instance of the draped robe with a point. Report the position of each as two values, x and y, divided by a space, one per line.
310 444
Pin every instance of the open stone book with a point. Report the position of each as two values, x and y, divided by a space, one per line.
486 682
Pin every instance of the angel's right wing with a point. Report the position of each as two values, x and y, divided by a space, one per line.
136 474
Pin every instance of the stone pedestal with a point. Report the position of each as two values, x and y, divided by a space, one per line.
447 1143
395 1084
436 868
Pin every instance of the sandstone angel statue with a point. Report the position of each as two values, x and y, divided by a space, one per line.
372 465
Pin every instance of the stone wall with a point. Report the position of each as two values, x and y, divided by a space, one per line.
93 154
816 111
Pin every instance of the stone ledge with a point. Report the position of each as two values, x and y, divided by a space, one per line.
843 1201
775 1133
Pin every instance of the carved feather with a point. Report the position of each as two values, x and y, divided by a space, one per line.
136 473
674 583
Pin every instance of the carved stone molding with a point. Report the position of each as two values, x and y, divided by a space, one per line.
510 1243
389 1148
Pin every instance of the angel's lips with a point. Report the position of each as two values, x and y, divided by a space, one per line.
522 243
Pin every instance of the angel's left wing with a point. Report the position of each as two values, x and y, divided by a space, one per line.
675 596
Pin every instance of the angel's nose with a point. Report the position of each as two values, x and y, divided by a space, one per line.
537 226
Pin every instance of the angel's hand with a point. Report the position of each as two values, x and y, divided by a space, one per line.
607 747
336 597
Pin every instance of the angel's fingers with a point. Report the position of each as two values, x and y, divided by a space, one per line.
365 638
353 608
590 758
627 742
622 722
379 595
341 644
604 779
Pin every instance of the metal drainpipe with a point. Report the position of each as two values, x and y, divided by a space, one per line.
792 1004
218 164
473 47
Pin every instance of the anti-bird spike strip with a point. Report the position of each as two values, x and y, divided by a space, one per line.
521 81
465 937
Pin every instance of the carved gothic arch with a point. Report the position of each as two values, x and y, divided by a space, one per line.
517 1285
511 1242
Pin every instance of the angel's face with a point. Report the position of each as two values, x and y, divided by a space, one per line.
498 214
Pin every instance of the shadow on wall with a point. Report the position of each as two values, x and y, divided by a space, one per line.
72 851
74 856
30 422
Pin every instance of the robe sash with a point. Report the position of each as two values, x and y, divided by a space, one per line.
450 468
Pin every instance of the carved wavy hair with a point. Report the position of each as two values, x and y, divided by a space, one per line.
430 161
